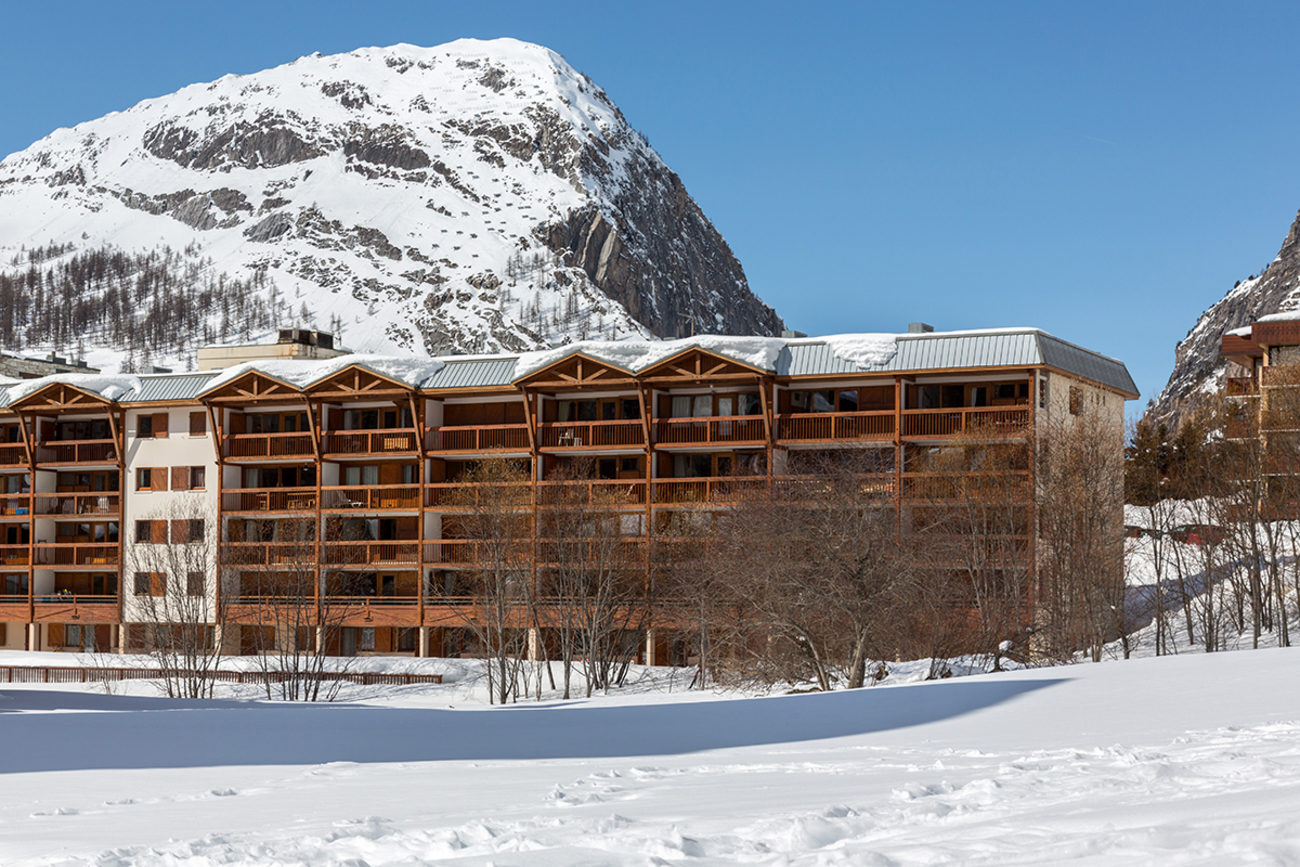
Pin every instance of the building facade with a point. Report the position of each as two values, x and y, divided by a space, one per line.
354 465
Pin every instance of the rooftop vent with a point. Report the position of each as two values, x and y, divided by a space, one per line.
307 337
919 328
789 333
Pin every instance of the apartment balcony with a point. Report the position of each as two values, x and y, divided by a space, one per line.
100 504
288 556
466 552
94 554
77 608
13 455
458 496
370 443
93 452
262 501
1240 386
713 490
975 421
597 493
985 489
573 435
730 430
819 427
476 439
370 553
268 446
869 487
15 555
15 505
385 498
14 608
1280 375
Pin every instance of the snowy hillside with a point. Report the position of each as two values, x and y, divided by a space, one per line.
473 196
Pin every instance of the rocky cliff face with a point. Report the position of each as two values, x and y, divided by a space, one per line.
1198 369
472 196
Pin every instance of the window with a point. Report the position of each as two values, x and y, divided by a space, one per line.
198 424
848 400
150 584
1042 393
188 478
151 479
1076 400
367 639
195 584
198 478
751 404
151 531
187 530
151 426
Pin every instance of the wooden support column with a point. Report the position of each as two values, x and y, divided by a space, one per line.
30 444
769 427
119 440
645 397
1035 587
315 422
219 576
417 419
898 451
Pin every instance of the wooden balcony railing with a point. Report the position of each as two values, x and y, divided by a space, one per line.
15 504
1240 386
269 445
456 495
1280 375
609 492
371 442
368 553
76 554
988 489
14 555
978 421
293 555
830 426
811 489
269 500
370 498
706 489
94 503
77 452
482 438
710 430
63 607
12 455
591 434
456 552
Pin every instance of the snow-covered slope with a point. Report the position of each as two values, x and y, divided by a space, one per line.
475 196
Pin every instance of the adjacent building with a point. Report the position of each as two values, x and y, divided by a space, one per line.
352 463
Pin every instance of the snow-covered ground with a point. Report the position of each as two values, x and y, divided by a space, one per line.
1186 759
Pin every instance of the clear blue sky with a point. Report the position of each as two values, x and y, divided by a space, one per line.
1101 170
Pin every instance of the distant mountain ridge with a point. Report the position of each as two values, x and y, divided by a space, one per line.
473 196
1198 367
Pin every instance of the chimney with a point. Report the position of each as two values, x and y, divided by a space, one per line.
919 328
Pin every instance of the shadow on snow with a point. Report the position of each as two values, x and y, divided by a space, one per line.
95 731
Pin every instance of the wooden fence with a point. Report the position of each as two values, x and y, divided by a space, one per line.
80 674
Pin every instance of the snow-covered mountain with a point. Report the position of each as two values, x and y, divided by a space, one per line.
476 195
1198 367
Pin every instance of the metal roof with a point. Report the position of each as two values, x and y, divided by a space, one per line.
473 373
1025 347
939 351
171 386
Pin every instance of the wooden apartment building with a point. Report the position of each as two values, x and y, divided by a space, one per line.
352 463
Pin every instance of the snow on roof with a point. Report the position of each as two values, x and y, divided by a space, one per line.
864 350
636 355
300 373
1243 331
1281 316
107 386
